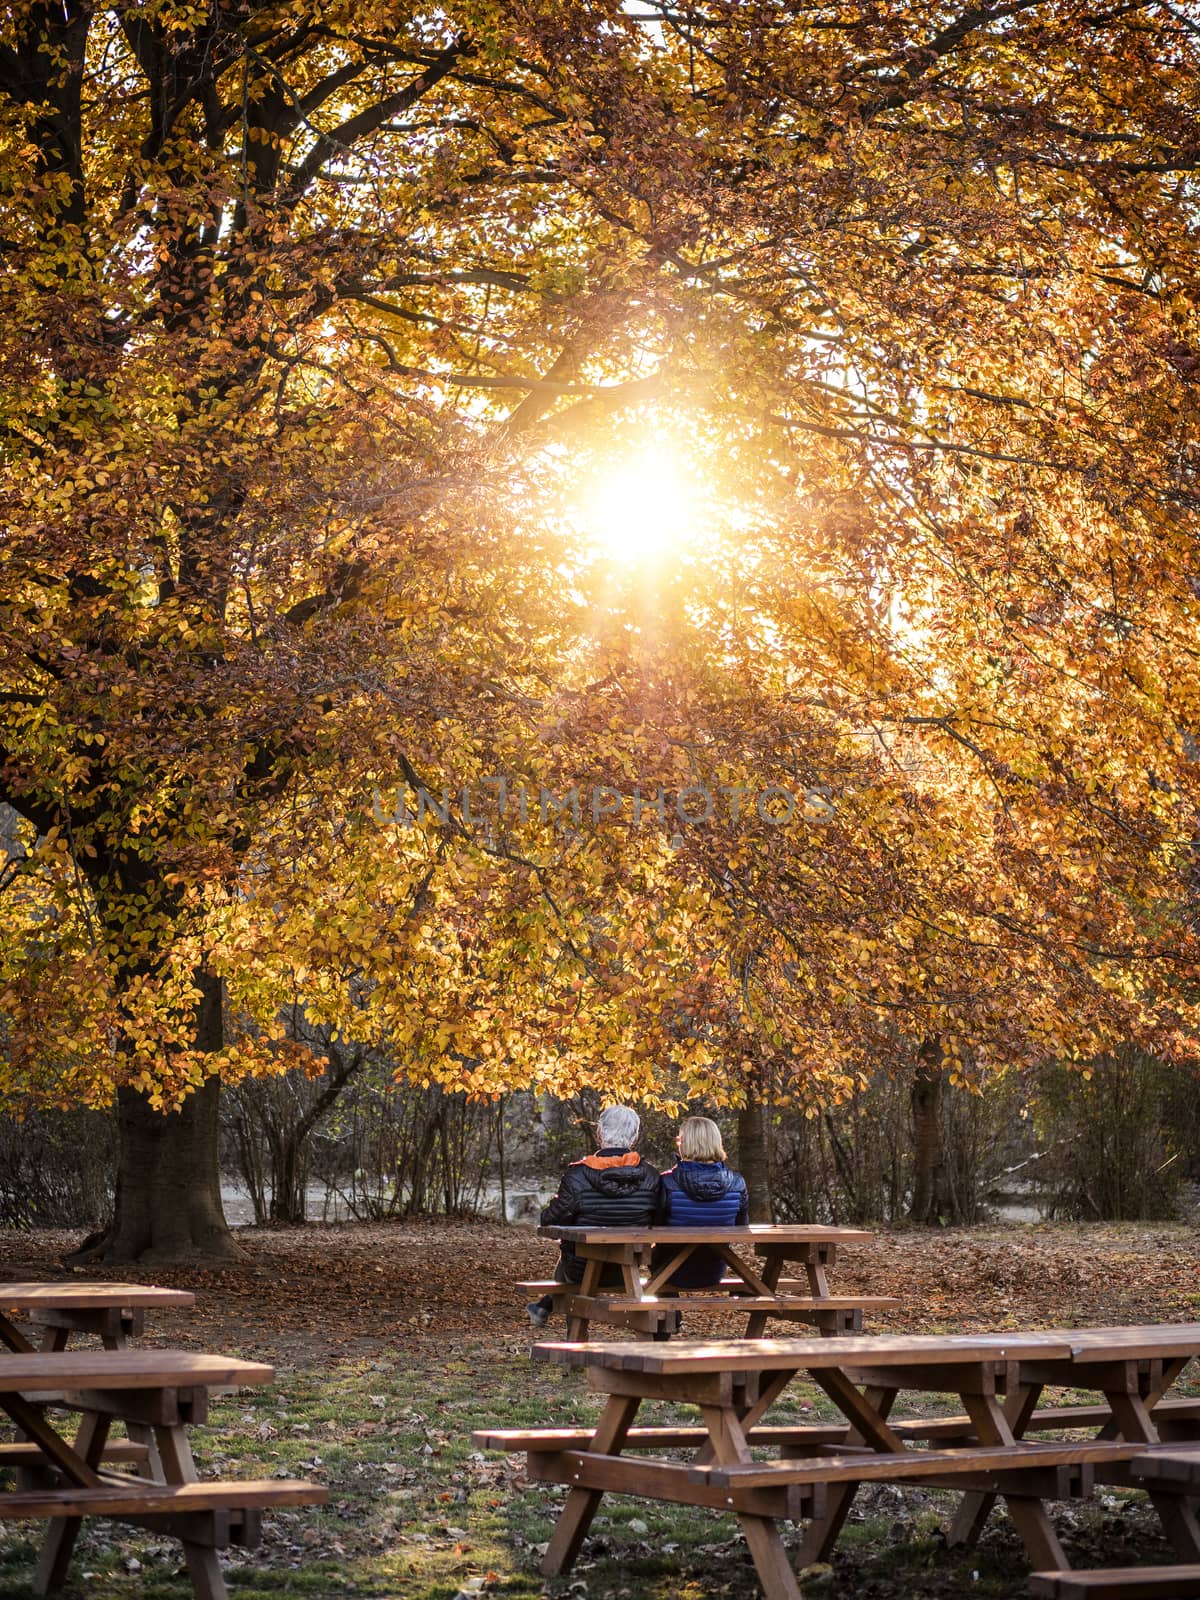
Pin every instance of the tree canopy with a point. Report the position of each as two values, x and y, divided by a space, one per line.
328 328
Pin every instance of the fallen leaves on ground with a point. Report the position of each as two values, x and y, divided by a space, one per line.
302 1294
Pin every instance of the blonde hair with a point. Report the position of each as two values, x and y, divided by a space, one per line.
700 1140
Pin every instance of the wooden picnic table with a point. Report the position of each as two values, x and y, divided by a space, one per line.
113 1312
755 1258
999 1379
68 1479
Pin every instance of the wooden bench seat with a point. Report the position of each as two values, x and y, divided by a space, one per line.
1118 1583
656 1314
826 1458
1175 1468
142 1499
777 1305
731 1286
684 1437
872 1466
1168 1413
552 1440
21 1454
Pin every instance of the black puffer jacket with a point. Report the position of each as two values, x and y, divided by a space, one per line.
612 1189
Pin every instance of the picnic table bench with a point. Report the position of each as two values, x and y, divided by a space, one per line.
1166 1469
165 1390
646 1303
998 1378
112 1312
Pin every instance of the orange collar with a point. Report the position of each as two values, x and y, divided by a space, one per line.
599 1163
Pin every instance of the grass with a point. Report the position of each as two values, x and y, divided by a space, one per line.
416 1513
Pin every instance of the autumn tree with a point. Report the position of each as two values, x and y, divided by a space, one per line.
318 320
247 248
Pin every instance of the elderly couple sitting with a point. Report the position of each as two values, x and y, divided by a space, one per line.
615 1188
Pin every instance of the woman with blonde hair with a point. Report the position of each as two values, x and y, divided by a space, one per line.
700 1191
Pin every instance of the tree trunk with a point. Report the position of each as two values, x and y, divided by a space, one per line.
289 1146
168 1191
289 1200
926 1101
752 1159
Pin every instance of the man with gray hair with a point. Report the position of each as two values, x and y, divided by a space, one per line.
614 1188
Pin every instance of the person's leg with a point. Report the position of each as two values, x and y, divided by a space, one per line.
540 1311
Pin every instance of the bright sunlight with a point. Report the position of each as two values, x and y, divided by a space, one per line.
641 509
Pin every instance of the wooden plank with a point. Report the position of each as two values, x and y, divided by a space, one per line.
687 1300
766 1233
1044 1419
652 1479
869 1423
48 1371
886 1468
159 1499
758 1355
733 1287
90 1296
683 1437
1174 1465
551 1440
25 1454
963 1375
575 1518
1118 1583
694 1388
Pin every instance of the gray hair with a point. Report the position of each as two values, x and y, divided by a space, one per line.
618 1126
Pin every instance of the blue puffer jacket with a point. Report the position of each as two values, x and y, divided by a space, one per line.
701 1194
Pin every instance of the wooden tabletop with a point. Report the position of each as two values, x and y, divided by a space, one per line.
89 1296
1129 1343
757 1233
47 1371
879 1350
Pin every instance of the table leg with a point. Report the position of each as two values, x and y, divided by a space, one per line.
58 1546
976 1505
769 1273
1037 1533
577 1327
1149 1397
57 1337
729 1448
1029 1515
1179 1523
752 1279
1134 1419
576 1516
664 1274
208 1581
750 1410
814 1268
823 1531
12 1338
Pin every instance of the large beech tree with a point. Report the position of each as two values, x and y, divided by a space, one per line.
242 245
316 318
